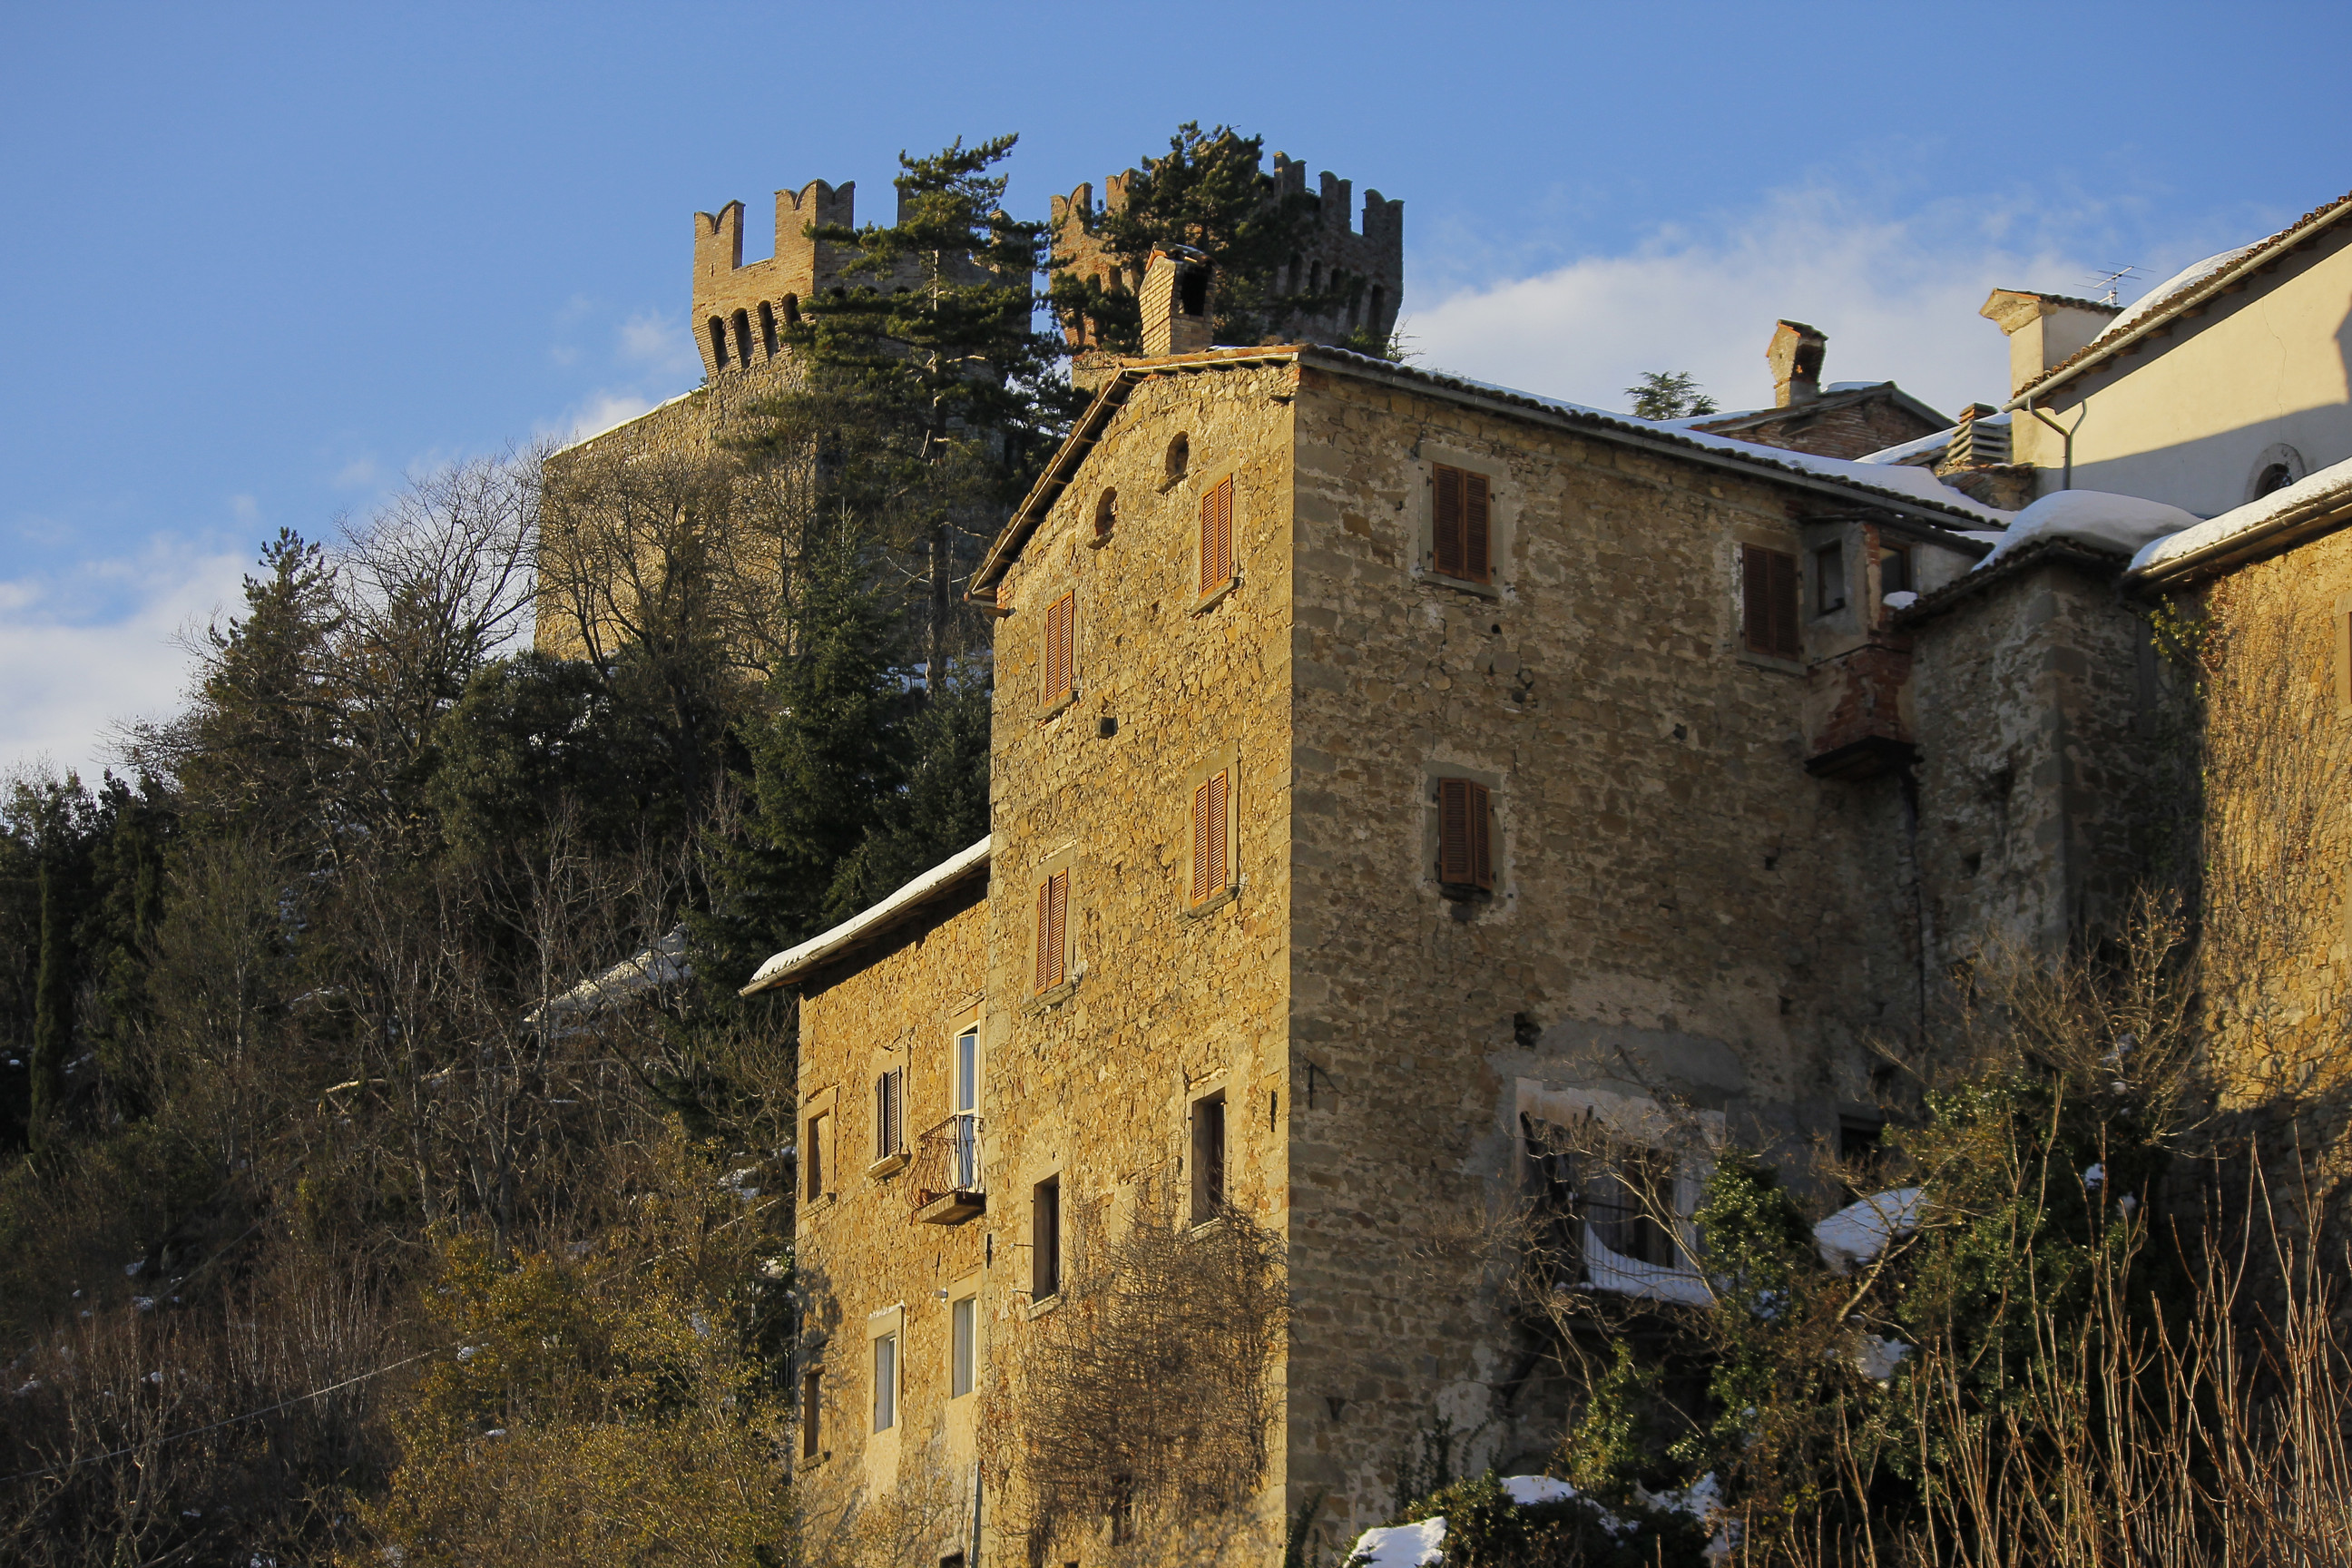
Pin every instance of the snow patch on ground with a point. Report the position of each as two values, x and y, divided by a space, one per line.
1401 1546
2092 517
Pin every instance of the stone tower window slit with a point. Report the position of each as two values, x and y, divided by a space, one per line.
744 336
718 343
768 328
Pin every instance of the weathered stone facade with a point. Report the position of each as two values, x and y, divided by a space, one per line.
1712 876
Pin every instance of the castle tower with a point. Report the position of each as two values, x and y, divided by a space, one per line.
739 311
1364 268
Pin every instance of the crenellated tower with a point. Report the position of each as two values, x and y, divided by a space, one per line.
739 311
1364 266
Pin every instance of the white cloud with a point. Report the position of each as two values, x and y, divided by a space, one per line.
81 653
661 344
599 413
1898 298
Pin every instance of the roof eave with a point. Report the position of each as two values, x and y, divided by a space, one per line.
2322 515
873 922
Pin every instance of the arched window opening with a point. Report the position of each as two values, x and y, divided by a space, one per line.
2277 477
1380 303
1315 279
717 343
768 328
743 335
1180 458
792 309
2276 467
1106 514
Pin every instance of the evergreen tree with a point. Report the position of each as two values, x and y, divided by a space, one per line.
1207 193
1668 394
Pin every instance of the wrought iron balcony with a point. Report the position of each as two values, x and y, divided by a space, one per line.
944 1186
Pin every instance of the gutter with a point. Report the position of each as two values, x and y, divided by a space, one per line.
2320 515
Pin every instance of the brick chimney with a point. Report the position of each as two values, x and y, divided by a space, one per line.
1175 301
1795 357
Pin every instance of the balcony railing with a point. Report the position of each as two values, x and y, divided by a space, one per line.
944 1186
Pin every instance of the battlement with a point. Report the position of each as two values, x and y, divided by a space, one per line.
1365 267
738 309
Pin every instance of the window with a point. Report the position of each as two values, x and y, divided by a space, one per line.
1217 536
1767 581
768 328
1895 570
964 1152
744 336
812 1417
717 343
1046 1239
1106 515
1460 526
885 1382
1061 637
889 1107
967 1069
817 1153
1180 458
1625 1209
1053 933
2275 477
1208 1157
1829 579
1210 802
1466 843
963 1323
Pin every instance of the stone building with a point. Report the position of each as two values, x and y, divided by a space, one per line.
1385 766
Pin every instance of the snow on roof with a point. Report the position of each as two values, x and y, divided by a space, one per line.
794 960
2176 550
1861 1231
2121 523
1910 484
619 424
664 963
1927 445
2186 278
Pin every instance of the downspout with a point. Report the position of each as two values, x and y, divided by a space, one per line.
2064 436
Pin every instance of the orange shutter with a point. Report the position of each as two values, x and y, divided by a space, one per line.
1217 536
1465 856
1476 564
1053 915
1060 643
1209 873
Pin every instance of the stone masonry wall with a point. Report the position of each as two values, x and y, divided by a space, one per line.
1093 1082
1681 910
859 1256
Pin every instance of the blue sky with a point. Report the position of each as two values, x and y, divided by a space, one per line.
257 260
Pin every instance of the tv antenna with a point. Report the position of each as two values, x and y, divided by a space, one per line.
2112 281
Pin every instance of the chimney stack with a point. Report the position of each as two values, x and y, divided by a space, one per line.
2045 329
1795 357
1175 301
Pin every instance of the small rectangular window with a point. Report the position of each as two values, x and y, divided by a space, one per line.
1208 1157
1466 834
1460 529
1627 1209
1829 579
1046 1239
1767 581
885 1382
889 1104
963 1324
817 1153
1053 930
1217 536
1210 861
812 1415
1895 570
1060 655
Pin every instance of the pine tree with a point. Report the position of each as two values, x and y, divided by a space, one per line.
1668 394
1211 194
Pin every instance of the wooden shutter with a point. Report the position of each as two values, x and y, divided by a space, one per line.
1446 523
1209 809
1460 527
1768 581
1053 914
1466 853
888 1133
1217 536
1061 644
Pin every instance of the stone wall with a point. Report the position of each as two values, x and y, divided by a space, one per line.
863 1265
1681 910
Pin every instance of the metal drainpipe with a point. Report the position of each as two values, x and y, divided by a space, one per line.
2064 435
